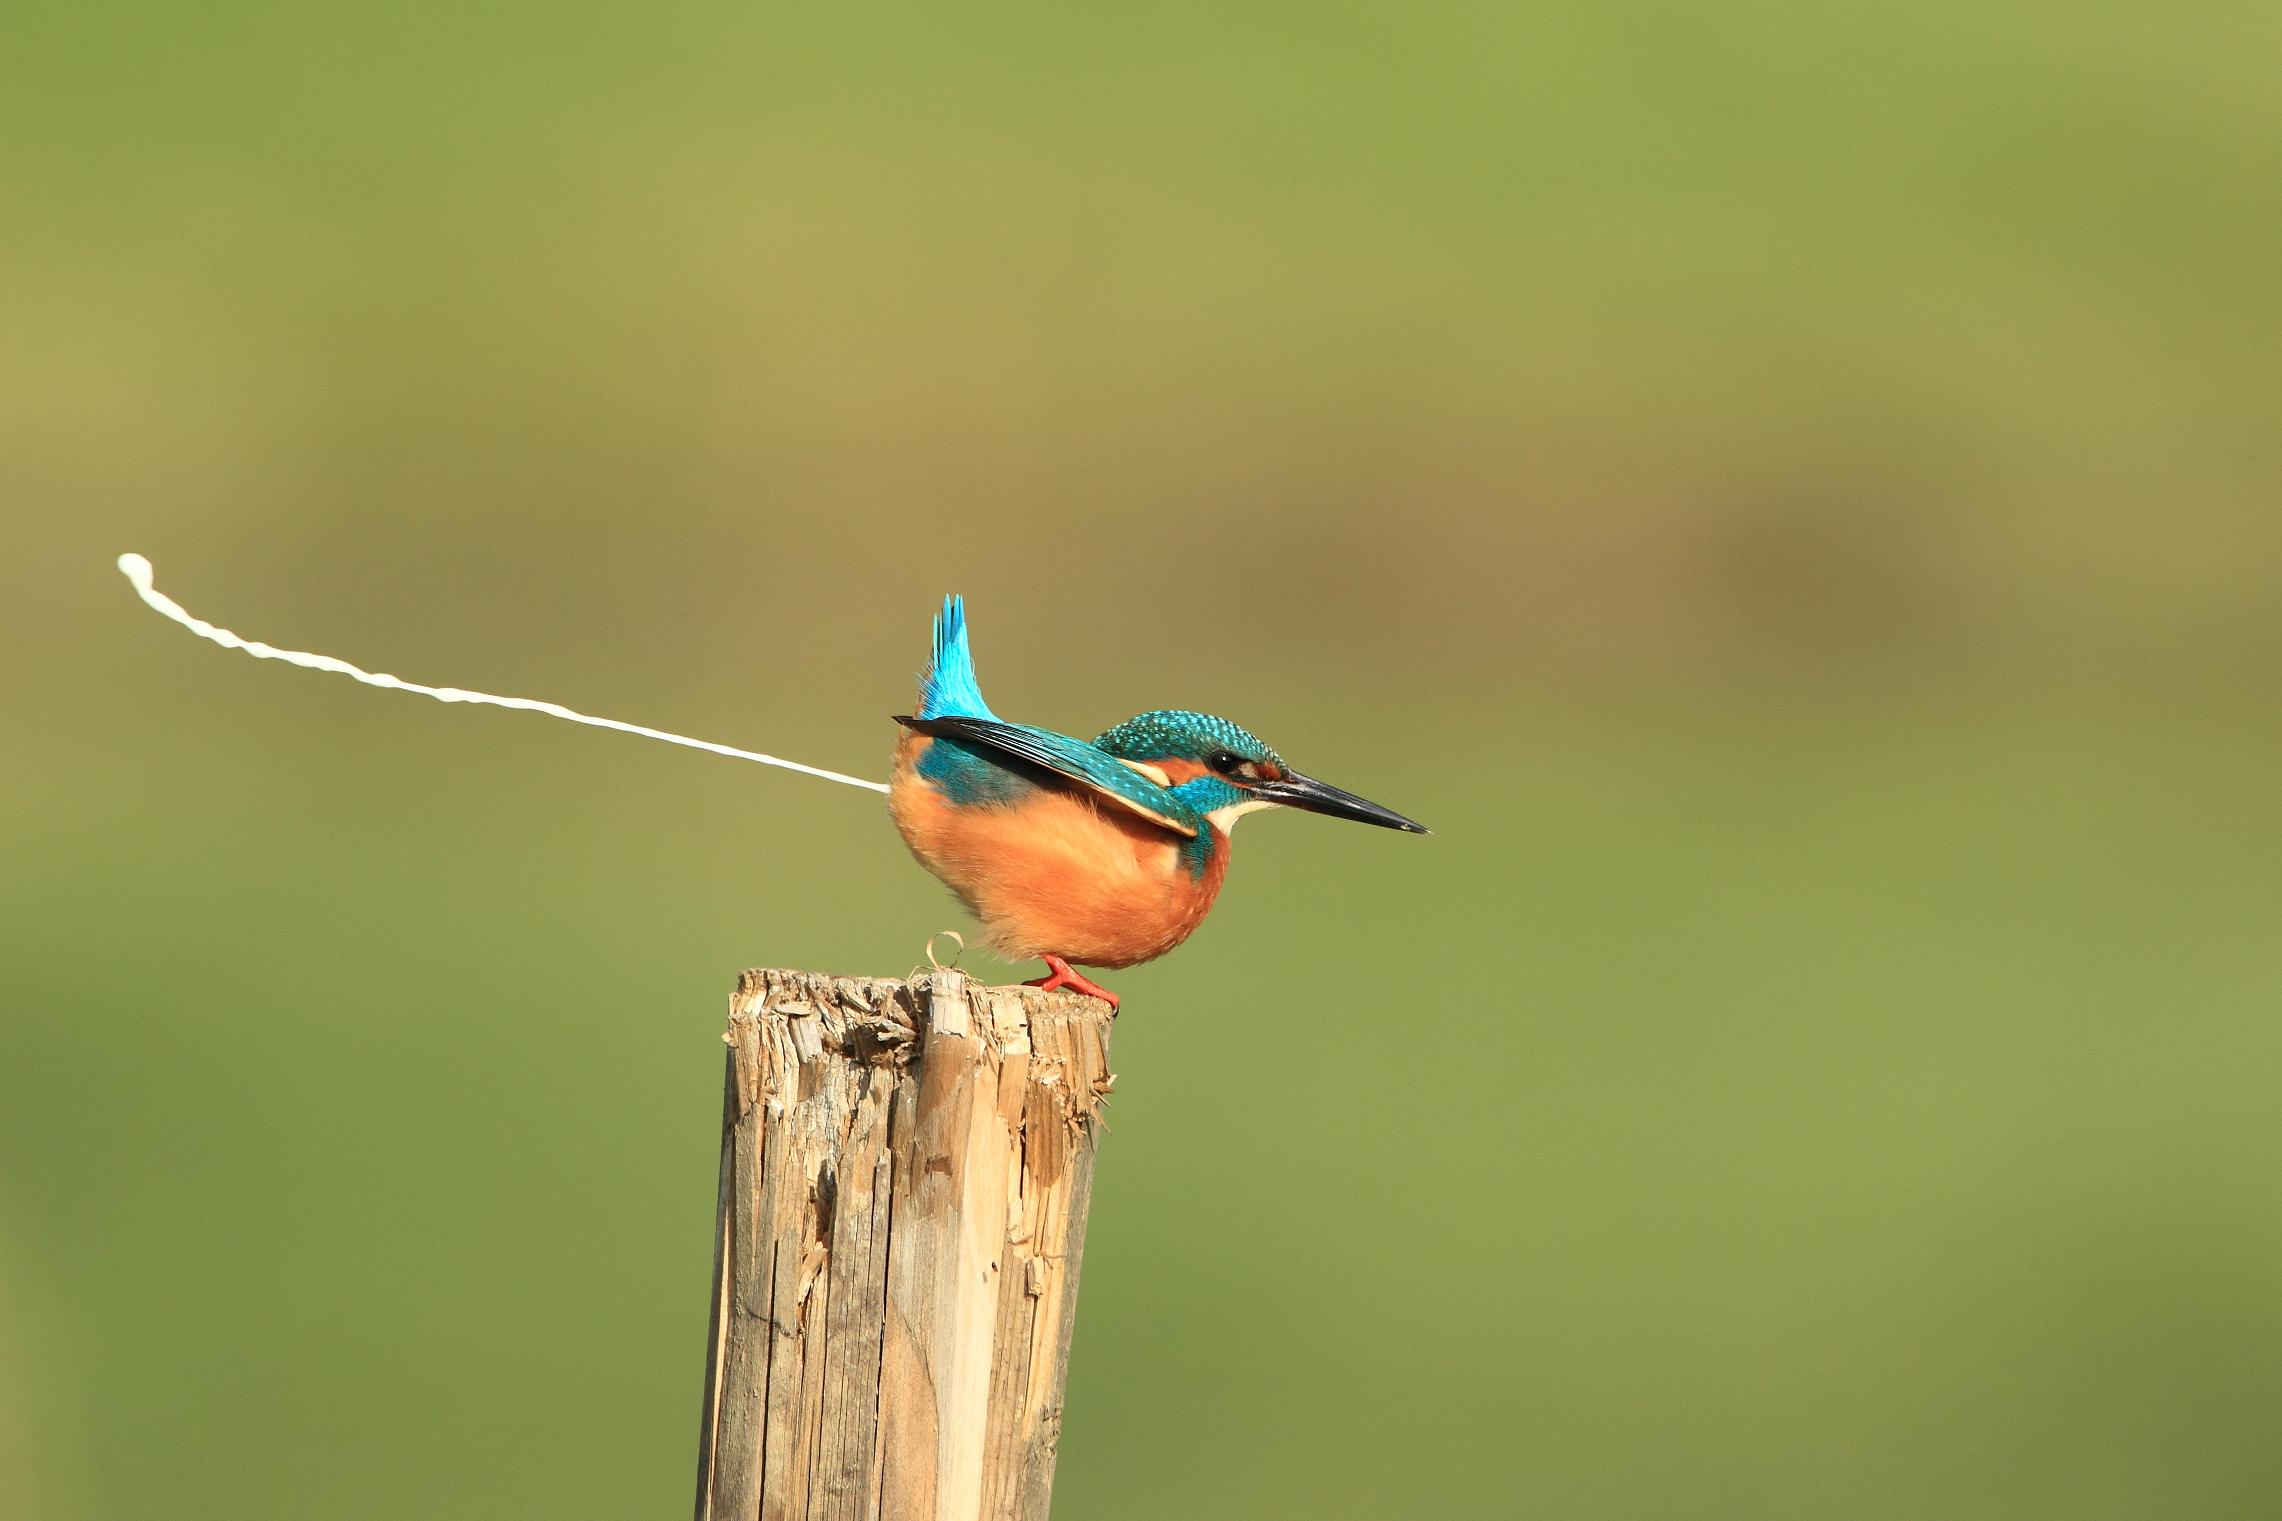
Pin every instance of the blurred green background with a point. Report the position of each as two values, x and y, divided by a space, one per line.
1788 493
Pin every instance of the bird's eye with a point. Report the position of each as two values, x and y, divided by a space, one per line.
1225 763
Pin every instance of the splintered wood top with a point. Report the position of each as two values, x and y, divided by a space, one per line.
881 1021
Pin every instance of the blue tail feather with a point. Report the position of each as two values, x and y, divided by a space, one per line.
948 689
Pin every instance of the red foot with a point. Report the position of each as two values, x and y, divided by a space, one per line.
1060 974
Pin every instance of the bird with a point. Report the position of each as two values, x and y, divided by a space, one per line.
1103 853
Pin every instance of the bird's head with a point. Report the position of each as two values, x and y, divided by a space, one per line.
1225 771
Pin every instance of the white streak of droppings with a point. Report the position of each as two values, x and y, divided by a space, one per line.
138 573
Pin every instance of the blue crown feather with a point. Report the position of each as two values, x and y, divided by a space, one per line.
948 688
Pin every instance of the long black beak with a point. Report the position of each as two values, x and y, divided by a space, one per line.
1297 791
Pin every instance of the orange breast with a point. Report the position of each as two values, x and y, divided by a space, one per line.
1056 873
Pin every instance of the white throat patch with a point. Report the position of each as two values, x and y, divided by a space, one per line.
1224 819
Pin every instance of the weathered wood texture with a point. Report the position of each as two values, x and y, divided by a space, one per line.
905 1168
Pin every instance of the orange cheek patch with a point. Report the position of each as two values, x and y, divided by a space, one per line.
1179 771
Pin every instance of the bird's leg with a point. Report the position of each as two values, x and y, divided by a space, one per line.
1060 974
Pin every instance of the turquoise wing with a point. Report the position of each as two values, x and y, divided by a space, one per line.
1096 769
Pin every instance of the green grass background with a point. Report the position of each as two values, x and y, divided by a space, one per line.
1788 493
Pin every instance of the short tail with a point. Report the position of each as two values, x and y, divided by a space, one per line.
948 689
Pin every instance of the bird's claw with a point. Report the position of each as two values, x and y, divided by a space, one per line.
1060 974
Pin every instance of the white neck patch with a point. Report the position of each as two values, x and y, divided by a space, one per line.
1154 773
1224 819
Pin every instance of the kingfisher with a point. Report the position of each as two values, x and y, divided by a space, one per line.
1105 852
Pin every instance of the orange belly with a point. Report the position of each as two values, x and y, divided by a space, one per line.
1054 872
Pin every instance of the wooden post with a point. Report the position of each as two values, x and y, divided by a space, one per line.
905 1168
